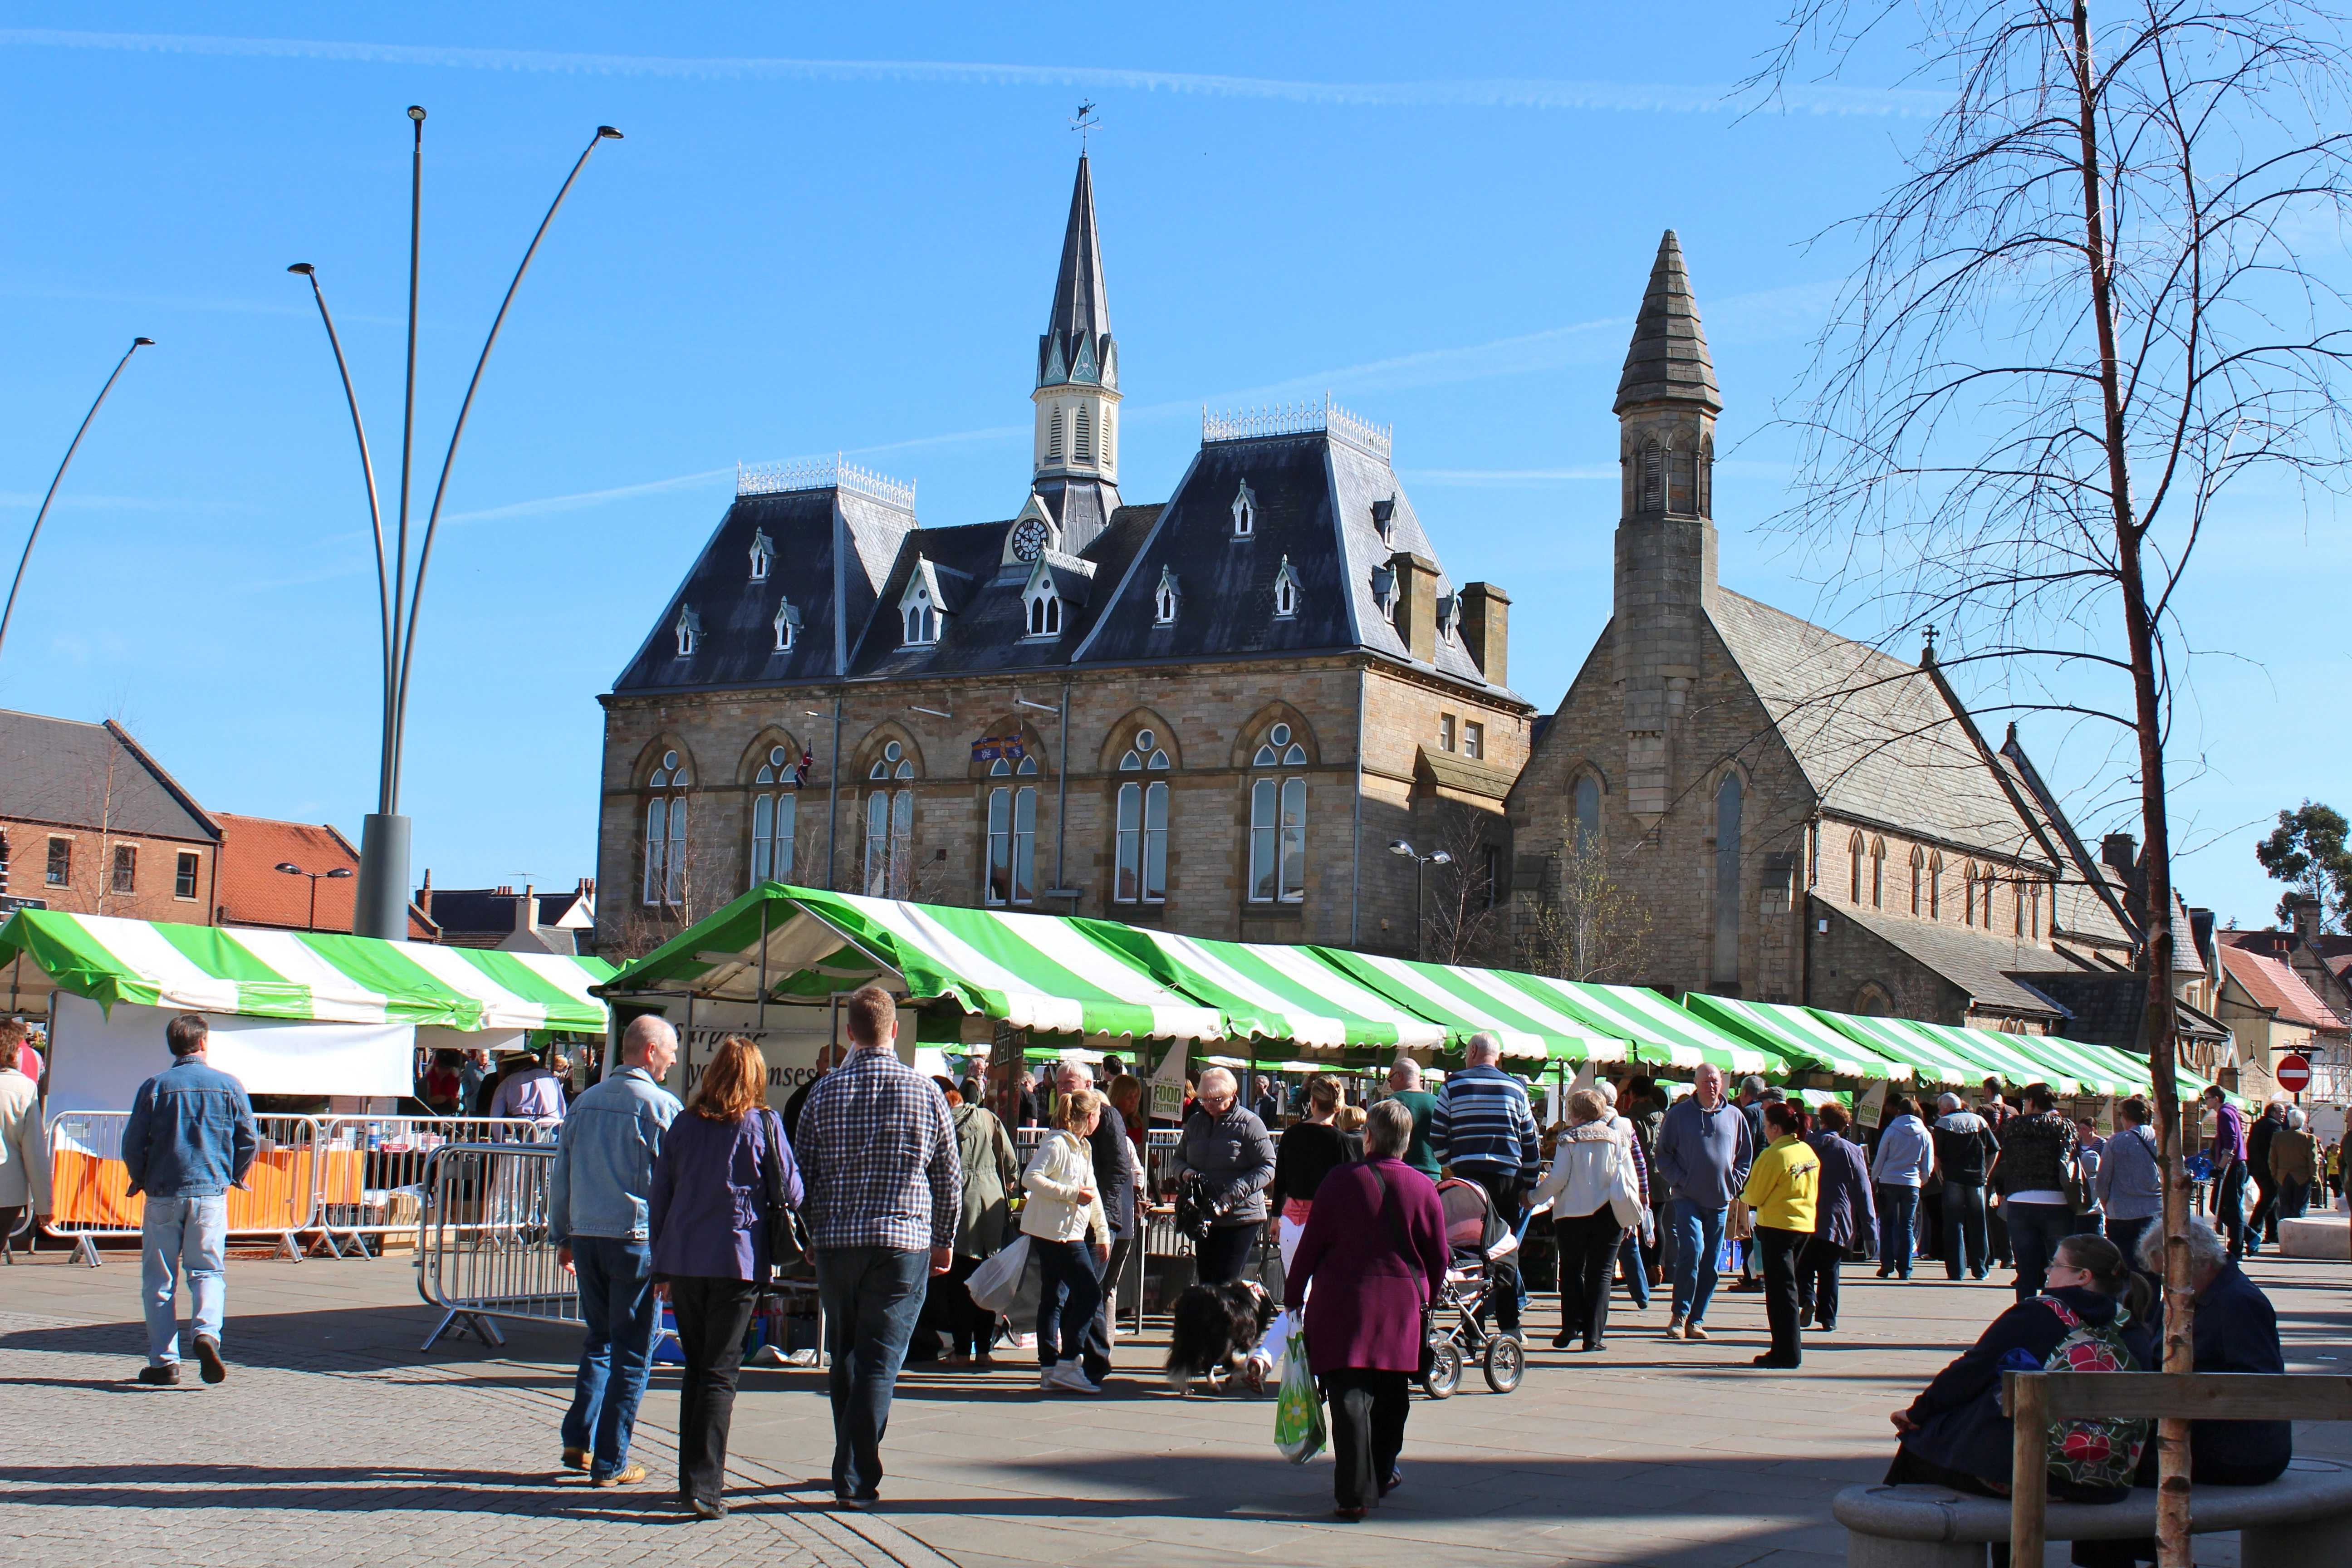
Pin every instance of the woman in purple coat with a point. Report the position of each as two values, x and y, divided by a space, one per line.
708 1213
1374 1247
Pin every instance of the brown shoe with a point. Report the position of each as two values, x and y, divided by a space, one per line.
164 1376
576 1459
627 1478
1692 1332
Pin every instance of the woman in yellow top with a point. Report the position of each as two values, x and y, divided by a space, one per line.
1781 1188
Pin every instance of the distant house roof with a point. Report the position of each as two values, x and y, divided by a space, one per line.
72 774
496 917
1999 973
254 893
2107 1007
2271 983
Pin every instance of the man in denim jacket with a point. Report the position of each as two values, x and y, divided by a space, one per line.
188 1140
597 1213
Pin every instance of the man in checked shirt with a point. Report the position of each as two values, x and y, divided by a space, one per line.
885 1191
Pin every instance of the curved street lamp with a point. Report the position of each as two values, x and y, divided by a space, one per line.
291 869
382 906
1421 863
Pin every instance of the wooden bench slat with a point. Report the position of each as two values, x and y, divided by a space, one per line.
2191 1396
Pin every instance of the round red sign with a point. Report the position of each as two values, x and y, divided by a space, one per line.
2294 1074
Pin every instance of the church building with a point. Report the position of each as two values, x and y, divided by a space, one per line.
1216 711
1784 814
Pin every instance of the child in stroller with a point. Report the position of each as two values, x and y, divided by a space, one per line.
1476 1239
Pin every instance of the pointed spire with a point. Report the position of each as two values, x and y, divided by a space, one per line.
1081 314
1668 360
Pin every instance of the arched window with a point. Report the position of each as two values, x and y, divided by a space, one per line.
1969 878
665 880
763 553
1083 447
1053 432
1707 476
1165 599
1142 850
774 814
1245 512
1726 880
2033 926
1654 478
1045 613
1681 481
1285 590
1854 869
890 824
1918 865
922 622
1013 834
787 626
1111 438
1936 886
1871 1001
1586 807
688 627
1278 851
1878 873
2017 907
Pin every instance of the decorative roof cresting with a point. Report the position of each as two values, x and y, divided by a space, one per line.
822 474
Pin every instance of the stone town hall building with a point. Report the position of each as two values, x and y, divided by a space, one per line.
1215 711
1800 817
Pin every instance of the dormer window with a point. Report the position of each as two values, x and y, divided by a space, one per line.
1285 591
763 551
1245 512
1449 613
688 628
1384 515
1384 588
1046 614
923 607
1165 598
787 626
922 622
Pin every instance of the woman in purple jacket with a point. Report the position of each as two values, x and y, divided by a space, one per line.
1375 1242
709 1223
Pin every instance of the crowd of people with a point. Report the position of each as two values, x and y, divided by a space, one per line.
894 1188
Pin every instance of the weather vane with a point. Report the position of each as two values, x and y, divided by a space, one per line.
1087 122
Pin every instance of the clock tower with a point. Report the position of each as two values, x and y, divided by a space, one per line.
1076 461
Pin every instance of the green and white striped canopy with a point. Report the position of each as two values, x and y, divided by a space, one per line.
1662 1033
2060 1060
321 976
2018 1059
1275 992
1467 1001
1037 971
1800 1034
1932 1061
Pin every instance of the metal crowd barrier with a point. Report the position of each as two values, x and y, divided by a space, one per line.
371 1170
482 1248
89 1182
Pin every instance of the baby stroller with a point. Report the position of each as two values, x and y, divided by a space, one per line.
1476 1239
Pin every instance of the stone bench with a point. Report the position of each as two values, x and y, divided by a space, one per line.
2303 1519
2327 1236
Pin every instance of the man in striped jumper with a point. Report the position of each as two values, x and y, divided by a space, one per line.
1485 1130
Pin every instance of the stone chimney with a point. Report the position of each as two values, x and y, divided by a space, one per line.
1486 630
2305 911
2119 852
526 910
425 895
1416 604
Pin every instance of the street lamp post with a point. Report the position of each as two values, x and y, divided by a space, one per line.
381 908
291 869
1421 863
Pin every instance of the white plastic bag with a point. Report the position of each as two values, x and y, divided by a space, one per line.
1298 1426
995 1283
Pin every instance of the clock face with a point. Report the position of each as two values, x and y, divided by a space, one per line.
1029 539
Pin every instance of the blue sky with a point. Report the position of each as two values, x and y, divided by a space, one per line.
835 229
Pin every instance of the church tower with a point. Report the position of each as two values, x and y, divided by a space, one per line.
1076 451
1666 404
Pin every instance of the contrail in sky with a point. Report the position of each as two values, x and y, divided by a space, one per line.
1500 93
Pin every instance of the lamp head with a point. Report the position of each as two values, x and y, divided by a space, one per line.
340 871
607 133
417 112
1399 846
290 868
1441 859
304 267
143 342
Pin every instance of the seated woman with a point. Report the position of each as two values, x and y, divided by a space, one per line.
1954 1434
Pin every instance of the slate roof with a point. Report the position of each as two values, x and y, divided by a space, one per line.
1078 329
2108 1006
57 771
2002 973
2270 982
1668 360
1874 738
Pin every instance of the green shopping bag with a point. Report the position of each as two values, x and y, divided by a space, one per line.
1298 1428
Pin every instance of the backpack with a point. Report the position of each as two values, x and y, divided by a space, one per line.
2099 1455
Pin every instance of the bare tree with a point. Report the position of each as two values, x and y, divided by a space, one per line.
1461 919
708 874
1585 925
2081 320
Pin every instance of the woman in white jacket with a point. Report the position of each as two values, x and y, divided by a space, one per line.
1591 1167
1063 1219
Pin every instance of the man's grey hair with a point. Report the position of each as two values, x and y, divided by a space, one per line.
1387 1129
1947 1103
2295 1120
1773 1094
643 1032
1483 1047
2207 1251
1751 1084
1405 1074
1085 1074
1218 1079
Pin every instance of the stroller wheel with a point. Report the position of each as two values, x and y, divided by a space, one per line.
1444 1373
1505 1363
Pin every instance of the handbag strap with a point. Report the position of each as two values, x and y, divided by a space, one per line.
774 1184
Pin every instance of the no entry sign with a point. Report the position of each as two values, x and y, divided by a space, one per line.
2294 1074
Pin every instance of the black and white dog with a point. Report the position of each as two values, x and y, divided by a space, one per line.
1216 1326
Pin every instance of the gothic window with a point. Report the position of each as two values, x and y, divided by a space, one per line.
1083 446
1165 598
1277 868
1969 885
1871 1001
1878 873
787 626
1919 864
1681 481
1726 880
1142 849
1053 432
2016 909
890 823
1013 833
665 854
1854 869
1046 614
763 551
688 627
2033 927
1285 590
1586 799
921 614
1707 476
1936 886
1653 478
1245 512
773 814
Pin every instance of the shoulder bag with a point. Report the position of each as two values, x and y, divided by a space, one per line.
787 1239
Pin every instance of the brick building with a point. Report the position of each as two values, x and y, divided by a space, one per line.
1799 816
1215 711
93 825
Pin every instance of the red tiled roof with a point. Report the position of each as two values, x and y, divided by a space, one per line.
254 893
2274 985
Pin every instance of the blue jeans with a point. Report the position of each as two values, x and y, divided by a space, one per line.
1065 1268
871 1297
190 1234
618 1310
1698 1247
2035 1230
1637 1269
1897 1206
